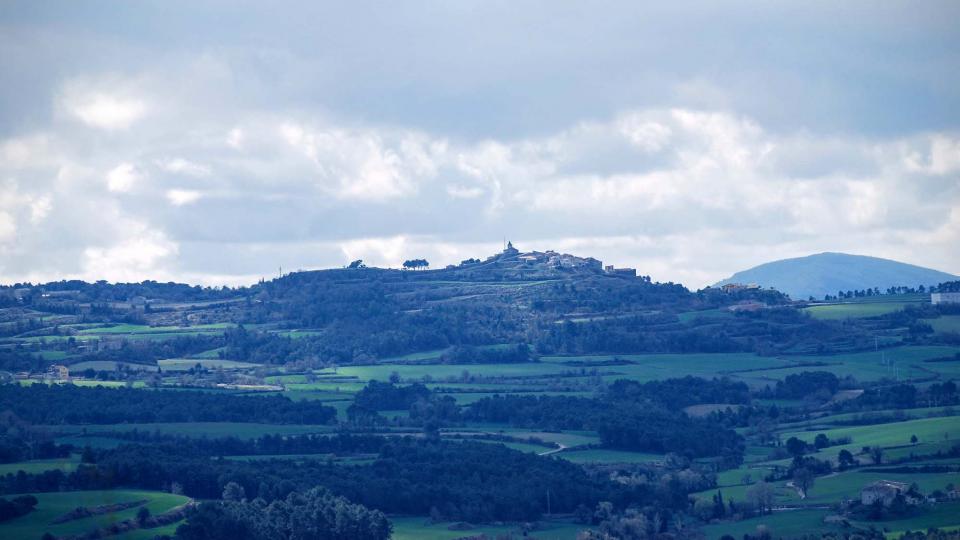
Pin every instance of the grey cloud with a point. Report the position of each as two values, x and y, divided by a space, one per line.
307 134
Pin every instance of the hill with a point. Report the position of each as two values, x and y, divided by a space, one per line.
827 273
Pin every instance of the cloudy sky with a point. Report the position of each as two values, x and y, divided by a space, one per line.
213 142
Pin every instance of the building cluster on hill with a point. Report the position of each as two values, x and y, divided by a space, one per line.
737 287
549 258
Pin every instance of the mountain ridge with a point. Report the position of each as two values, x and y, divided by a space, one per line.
828 272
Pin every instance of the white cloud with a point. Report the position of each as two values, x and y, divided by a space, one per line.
185 167
8 227
464 192
105 111
365 164
389 252
647 135
40 208
235 138
122 178
938 155
682 194
180 197
131 259
865 202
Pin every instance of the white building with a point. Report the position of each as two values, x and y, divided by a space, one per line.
945 298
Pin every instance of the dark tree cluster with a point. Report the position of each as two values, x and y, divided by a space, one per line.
468 354
623 420
425 407
19 360
901 396
15 448
265 445
380 396
68 404
316 514
101 291
681 392
16 507
800 385
469 481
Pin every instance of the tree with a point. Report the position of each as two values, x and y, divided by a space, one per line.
357 264
913 439
796 447
143 515
821 441
314 514
876 454
846 460
234 492
803 478
761 496
414 264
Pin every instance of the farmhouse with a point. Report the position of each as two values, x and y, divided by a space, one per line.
884 491
945 298
58 372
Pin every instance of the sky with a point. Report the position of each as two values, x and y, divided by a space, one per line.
215 142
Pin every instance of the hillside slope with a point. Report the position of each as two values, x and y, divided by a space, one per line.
827 273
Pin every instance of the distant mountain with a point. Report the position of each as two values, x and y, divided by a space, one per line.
826 273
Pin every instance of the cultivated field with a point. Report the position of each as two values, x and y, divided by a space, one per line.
54 505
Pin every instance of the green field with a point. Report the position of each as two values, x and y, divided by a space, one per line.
568 439
184 364
944 516
143 329
945 323
35 466
885 435
419 528
79 382
53 505
55 356
107 365
196 429
780 524
855 310
830 489
907 362
92 442
599 455
705 314
212 353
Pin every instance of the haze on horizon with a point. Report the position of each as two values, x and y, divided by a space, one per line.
212 143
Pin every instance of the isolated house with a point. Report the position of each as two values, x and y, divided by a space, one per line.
58 372
884 491
945 298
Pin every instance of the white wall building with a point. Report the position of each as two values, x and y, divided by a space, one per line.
945 298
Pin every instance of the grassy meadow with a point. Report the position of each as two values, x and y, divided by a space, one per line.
53 505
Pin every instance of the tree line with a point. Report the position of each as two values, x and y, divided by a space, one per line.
69 404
